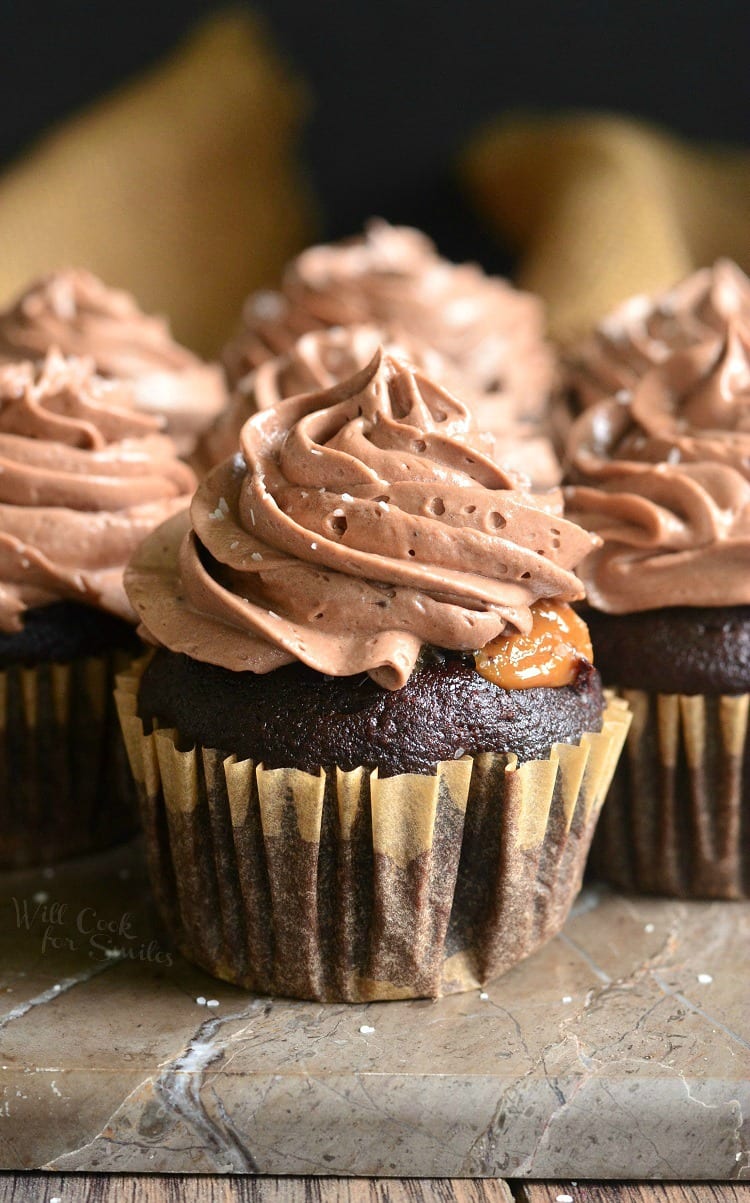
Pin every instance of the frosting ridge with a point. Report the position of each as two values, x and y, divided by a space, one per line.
662 474
644 331
83 477
74 312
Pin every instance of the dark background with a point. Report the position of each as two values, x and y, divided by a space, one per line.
400 84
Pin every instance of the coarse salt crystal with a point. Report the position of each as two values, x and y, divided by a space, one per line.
346 497
483 995
201 1000
705 979
212 1002
366 1030
563 1199
256 555
649 927
566 998
313 547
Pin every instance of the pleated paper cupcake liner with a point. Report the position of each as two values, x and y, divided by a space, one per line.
347 887
677 821
66 788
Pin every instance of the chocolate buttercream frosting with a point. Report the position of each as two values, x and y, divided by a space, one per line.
74 312
322 358
644 331
392 277
662 474
83 477
357 524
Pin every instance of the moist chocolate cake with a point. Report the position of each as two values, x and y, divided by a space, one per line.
677 649
298 718
65 631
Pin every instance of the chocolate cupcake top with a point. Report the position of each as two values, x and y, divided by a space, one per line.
645 331
77 314
394 278
356 525
83 477
663 476
322 358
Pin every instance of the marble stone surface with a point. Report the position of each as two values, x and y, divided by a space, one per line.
621 1050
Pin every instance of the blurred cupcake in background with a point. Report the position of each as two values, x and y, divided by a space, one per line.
645 331
75 313
492 334
662 473
371 746
83 477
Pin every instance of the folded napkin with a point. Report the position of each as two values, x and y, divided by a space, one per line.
182 186
602 207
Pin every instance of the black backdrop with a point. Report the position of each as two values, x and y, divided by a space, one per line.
399 84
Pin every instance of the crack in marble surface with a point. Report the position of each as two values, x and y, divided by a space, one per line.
590 1059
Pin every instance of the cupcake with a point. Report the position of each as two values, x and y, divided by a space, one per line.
83 477
322 358
662 474
77 314
644 331
392 277
370 747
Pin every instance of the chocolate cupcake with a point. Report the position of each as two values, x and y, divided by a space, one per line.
644 331
75 313
392 277
322 358
663 476
83 477
341 800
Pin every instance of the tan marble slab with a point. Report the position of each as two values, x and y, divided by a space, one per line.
621 1050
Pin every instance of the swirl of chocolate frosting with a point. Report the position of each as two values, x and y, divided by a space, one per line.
644 331
74 312
83 477
393 277
357 525
663 476
322 358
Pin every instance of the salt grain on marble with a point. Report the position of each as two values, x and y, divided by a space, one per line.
705 979
201 1000
649 928
566 998
366 1030
212 1002
483 995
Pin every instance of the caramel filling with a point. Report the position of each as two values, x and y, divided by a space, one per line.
549 655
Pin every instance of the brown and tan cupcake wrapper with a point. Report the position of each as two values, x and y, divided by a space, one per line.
677 821
65 787
350 887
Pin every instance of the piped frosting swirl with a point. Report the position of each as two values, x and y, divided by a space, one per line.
83 477
74 312
356 525
644 331
663 476
323 358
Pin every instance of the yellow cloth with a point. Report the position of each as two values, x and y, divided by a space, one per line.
182 186
602 207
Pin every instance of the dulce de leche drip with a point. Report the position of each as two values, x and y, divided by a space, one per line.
549 655
83 477
357 525
662 474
